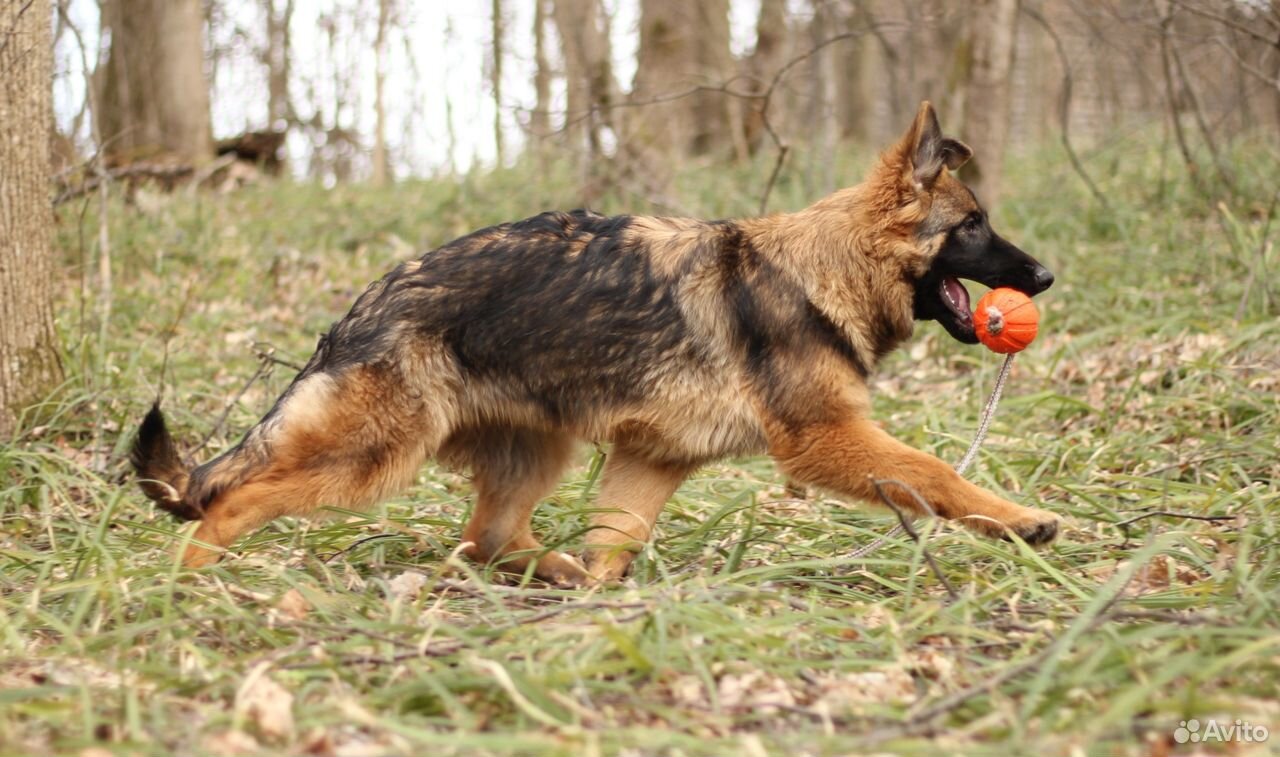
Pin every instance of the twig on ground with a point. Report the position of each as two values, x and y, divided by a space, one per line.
354 545
923 718
1124 524
905 522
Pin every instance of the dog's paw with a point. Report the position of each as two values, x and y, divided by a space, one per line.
563 570
609 566
1039 529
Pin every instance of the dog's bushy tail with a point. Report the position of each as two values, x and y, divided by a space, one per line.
163 476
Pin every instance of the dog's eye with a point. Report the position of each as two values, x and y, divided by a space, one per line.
972 223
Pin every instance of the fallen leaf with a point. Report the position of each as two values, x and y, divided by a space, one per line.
851 692
754 690
688 691
231 744
267 704
293 605
407 585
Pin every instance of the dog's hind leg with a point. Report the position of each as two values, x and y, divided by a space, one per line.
513 470
632 495
347 441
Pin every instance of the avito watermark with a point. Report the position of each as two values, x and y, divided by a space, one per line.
1212 730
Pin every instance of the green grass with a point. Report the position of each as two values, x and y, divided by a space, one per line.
747 628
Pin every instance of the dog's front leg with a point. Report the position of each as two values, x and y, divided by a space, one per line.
847 457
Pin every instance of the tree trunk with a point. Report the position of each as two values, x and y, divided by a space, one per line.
762 66
277 58
684 46
588 72
986 116
495 73
713 67
29 362
821 115
856 64
540 119
381 164
154 99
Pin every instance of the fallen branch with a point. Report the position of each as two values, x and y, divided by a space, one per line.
1124 524
162 172
905 522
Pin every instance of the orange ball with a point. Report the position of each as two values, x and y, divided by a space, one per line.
1006 320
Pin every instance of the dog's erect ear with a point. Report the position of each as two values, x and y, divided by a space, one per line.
929 151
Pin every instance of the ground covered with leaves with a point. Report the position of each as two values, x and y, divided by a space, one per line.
1146 414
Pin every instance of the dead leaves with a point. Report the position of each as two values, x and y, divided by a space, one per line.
293 606
1161 574
266 704
851 694
407 585
840 694
754 690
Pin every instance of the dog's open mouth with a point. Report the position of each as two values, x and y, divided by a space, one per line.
956 300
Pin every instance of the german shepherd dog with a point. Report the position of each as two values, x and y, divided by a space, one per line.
677 341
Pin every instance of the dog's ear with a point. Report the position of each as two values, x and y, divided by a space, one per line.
928 152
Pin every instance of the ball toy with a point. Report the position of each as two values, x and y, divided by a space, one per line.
1006 320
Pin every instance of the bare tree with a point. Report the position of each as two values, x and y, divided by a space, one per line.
540 118
761 66
277 57
820 115
153 96
29 362
714 115
682 67
495 76
986 114
588 72
855 64
381 163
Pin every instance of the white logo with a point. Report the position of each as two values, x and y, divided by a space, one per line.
1211 730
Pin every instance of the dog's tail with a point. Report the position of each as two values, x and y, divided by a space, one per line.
163 476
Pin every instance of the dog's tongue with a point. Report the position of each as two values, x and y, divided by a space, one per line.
955 295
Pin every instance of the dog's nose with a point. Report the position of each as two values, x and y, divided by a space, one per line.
1044 278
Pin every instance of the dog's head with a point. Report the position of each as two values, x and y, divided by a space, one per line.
953 230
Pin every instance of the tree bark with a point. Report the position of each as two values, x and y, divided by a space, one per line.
29 363
540 119
588 73
986 116
683 57
381 164
495 74
762 65
277 57
821 115
684 46
154 98
855 67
